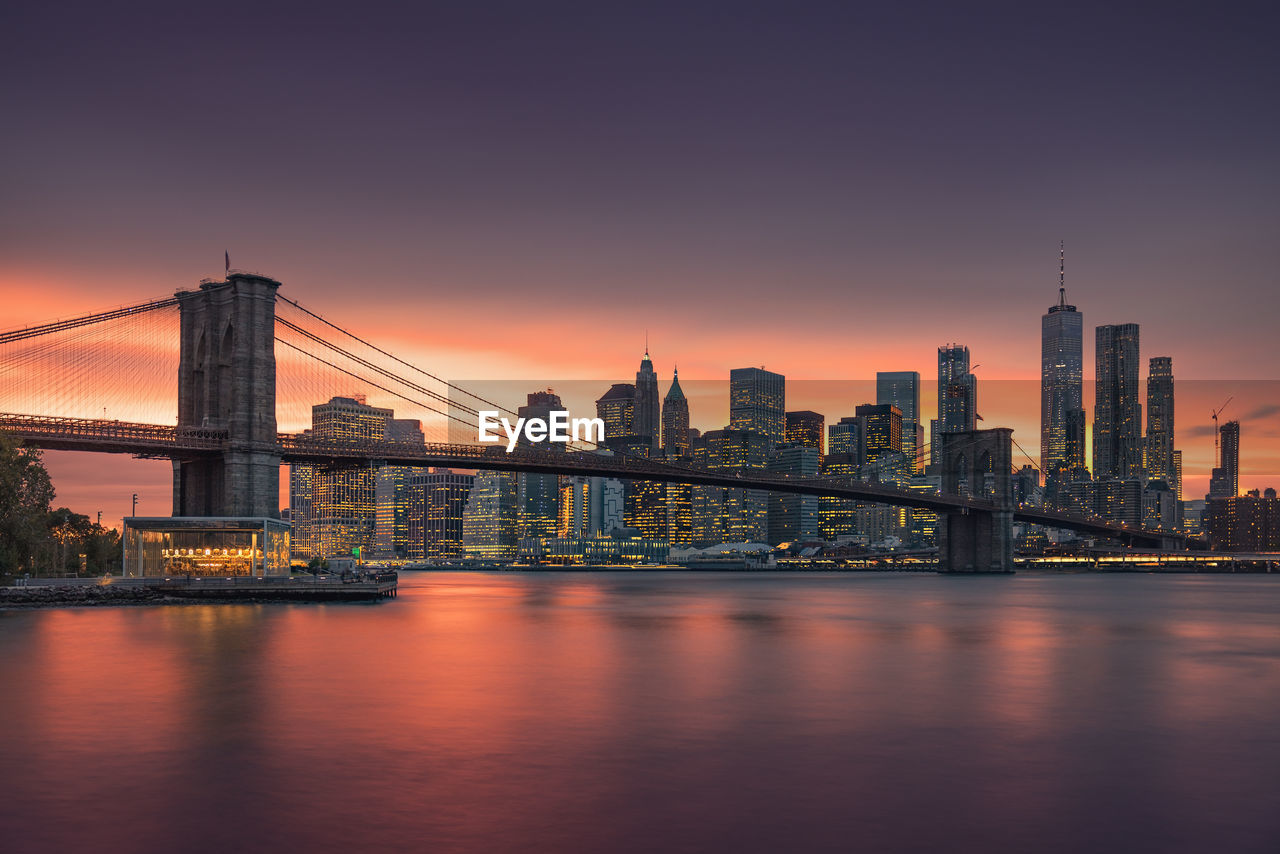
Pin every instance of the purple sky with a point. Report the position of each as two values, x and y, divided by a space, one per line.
519 189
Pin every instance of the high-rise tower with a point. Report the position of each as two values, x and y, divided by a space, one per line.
1061 382
758 402
1117 417
1159 459
957 391
1225 480
675 419
902 389
647 421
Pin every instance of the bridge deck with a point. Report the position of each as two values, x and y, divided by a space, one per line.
154 440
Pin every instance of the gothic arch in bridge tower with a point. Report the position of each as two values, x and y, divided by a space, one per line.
226 382
977 463
226 353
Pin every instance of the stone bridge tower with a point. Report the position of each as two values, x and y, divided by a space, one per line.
977 464
227 382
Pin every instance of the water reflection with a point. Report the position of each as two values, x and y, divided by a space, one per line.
624 712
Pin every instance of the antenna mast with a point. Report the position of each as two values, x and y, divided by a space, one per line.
1062 274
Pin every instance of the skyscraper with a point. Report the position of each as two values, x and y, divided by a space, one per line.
1117 416
675 419
758 402
394 494
730 514
1177 474
882 429
440 498
1225 480
646 418
846 437
1160 458
957 390
1061 384
538 495
617 409
902 389
335 507
805 428
490 517
793 517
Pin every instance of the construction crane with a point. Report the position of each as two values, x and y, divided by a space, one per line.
1217 461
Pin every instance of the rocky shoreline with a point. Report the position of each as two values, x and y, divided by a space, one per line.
82 594
90 592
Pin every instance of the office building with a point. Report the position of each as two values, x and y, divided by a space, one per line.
675 419
538 495
793 517
439 500
846 437
335 507
617 409
1062 419
646 418
902 389
1243 523
1117 413
622 546
1224 482
490 518
836 515
805 428
590 506
957 391
1125 501
758 403
1159 462
393 494
881 429
724 514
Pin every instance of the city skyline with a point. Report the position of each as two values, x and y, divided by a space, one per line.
531 191
90 480
928 496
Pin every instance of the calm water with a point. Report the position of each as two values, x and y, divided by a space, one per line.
664 712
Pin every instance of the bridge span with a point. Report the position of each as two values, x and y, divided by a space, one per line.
226 449
171 442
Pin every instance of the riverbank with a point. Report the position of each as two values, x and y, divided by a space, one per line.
52 592
82 595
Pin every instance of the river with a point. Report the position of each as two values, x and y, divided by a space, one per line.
655 711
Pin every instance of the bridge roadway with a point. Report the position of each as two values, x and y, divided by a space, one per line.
159 441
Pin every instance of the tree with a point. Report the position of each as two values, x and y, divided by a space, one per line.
72 535
25 495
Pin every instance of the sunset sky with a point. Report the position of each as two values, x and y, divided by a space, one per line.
524 191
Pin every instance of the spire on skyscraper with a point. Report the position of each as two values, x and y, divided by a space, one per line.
675 392
1062 274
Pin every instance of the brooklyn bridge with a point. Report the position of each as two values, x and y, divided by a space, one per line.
238 341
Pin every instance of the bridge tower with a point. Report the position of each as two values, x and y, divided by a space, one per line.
979 464
227 381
